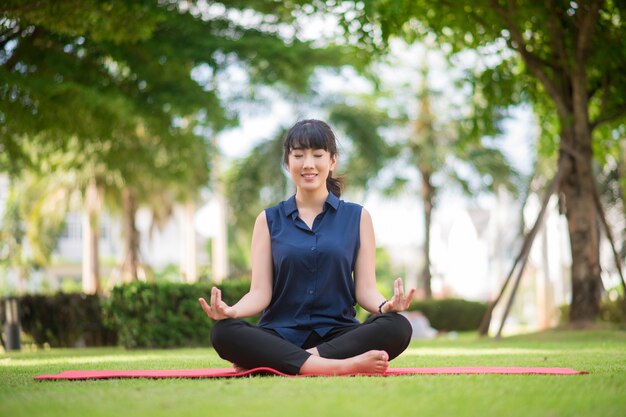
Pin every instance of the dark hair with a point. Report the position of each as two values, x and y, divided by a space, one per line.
313 134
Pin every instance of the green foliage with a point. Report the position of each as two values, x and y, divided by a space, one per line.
566 58
88 96
614 311
164 315
386 272
451 314
102 20
62 320
78 69
529 52
611 311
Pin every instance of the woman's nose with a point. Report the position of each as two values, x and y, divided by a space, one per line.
309 161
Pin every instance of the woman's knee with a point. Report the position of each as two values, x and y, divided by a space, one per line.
398 331
222 332
401 326
396 324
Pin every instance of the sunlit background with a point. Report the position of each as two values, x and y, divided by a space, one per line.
414 103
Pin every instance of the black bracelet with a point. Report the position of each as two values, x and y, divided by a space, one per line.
380 307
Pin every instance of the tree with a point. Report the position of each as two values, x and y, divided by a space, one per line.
438 142
140 98
568 56
438 148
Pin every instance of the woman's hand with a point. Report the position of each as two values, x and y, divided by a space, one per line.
218 309
399 302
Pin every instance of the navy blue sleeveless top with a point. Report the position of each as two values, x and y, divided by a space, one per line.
313 285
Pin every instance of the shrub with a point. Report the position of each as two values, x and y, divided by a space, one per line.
63 320
164 315
611 311
451 314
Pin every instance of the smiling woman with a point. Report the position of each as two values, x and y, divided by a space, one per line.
313 260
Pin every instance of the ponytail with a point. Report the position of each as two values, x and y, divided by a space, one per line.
334 185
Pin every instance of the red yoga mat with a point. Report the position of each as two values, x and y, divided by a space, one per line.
230 373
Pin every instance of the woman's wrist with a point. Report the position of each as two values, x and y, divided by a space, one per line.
381 307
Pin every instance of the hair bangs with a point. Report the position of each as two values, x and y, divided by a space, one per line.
308 136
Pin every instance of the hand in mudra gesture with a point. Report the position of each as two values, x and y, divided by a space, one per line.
218 309
399 301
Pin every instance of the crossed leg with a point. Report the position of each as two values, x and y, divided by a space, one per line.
366 348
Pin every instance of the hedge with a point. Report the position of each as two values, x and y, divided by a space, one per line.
167 315
63 320
611 311
164 315
451 314
135 315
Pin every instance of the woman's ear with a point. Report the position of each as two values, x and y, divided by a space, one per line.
333 162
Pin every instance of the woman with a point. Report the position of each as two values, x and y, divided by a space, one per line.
313 258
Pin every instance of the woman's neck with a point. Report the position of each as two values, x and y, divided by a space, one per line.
311 200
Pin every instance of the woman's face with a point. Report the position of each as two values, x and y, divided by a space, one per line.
309 168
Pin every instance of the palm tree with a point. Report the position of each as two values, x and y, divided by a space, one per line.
39 208
436 149
433 145
12 254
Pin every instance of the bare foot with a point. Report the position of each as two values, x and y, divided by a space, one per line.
373 361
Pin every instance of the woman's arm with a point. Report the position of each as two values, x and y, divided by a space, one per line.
260 294
367 294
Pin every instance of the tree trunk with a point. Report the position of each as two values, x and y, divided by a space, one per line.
219 247
577 189
130 263
621 171
569 90
190 261
428 194
543 286
425 151
91 234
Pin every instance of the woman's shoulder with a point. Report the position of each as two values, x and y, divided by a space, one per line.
273 214
273 211
351 206
262 217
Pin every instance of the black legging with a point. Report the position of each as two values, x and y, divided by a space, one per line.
250 346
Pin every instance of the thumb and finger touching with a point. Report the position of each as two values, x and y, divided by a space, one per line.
216 310
400 302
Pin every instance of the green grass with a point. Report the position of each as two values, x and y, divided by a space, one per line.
600 393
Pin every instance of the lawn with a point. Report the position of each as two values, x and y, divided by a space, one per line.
600 393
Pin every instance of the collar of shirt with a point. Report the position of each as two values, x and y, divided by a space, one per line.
291 209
